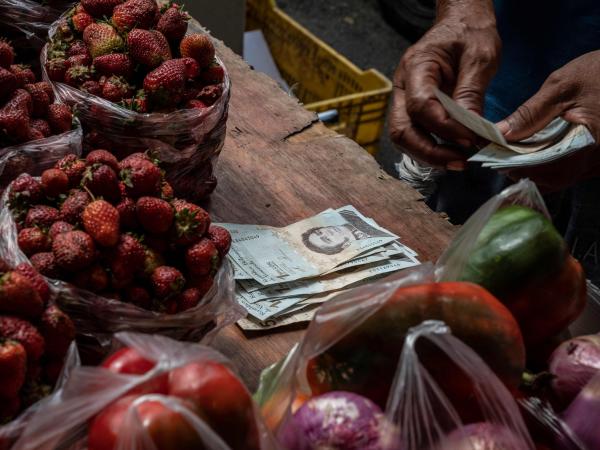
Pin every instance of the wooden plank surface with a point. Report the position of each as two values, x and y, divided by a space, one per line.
279 165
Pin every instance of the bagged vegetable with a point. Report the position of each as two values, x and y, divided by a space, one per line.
95 315
510 247
120 116
152 394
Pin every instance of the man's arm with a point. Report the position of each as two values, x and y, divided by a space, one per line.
458 55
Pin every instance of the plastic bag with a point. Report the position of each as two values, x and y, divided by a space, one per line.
89 390
97 317
36 156
11 431
186 141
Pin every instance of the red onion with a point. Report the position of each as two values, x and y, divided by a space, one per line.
573 365
583 415
483 436
338 421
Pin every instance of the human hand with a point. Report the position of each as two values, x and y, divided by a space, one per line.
458 55
573 93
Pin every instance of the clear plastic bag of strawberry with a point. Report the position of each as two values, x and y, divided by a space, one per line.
141 260
348 363
139 84
511 248
152 393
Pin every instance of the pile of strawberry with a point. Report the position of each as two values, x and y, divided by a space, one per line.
135 54
27 108
35 336
115 229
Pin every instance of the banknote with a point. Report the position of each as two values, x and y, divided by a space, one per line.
555 141
304 249
330 282
305 314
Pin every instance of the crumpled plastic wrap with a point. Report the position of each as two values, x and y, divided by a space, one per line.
97 318
61 423
36 156
186 141
10 432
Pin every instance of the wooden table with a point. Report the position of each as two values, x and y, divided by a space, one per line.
280 165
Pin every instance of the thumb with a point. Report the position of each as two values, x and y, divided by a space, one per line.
533 115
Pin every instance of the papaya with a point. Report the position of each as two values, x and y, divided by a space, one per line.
364 360
522 259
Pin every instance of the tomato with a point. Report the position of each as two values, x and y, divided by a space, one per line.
221 399
168 429
130 361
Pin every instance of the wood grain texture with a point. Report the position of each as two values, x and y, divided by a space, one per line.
279 165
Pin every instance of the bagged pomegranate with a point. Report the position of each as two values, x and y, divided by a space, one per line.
140 83
120 252
152 393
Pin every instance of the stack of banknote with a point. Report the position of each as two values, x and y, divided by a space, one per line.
284 274
557 140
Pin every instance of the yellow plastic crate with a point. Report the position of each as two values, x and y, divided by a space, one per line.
322 78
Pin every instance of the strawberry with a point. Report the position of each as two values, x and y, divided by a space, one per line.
77 74
78 60
15 123
141 176
73 206
81 21
23 73
166 191
91 87
221 238
73 167
45 264
55 182
210 94
13 365
213 74
126 259
24 333
152 260
64 33
154 214
102 181
56 69
74 250
47 87
8 83
101 156
202 258
33 240
37 281
78 48
58 228
191 222
102 39
25 190
118 64
134 13
167 281
60 119
101 221
34 135
116 89
138 296
173 24
127 214
199 47
20 100
93 279
196 104
188 299
100 8
165 85
41 216
42 126
192 69
137 103
203 284
7 54
18 296
149 48
57 330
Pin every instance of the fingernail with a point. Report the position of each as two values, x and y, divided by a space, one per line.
464 143
456 166
503 126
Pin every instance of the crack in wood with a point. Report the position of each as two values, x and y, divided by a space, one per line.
301 130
